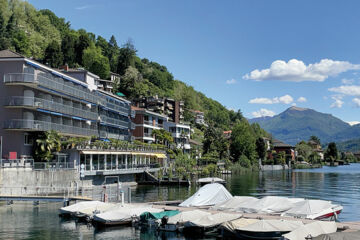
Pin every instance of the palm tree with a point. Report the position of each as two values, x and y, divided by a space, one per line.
49 143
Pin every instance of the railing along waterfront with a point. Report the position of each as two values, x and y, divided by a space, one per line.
49 105
53 84
36 125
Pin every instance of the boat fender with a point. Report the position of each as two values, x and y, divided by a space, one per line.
164 220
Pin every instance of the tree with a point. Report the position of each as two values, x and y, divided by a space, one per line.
95 62
303 150
281 158
315 139
242 142
162 136
68 45
46 144
260 148
331 152
82 44
126 57
53 55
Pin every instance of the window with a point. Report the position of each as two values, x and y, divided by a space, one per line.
28 139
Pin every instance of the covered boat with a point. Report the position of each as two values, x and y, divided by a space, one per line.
233 203
89 212
339 236
209 223
269 204
228 229
76 208
314 229
314 209
203 181
122 215
267 229
154 218
208 195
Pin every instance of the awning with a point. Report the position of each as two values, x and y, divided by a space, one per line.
103 152
160 155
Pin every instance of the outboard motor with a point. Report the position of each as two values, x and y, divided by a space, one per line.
164 220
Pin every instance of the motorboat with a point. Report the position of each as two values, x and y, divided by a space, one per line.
313 229
339 236
176 222
155 218
84 206
203 181
208 195
314 209
233 203
228 229
267 229
122 215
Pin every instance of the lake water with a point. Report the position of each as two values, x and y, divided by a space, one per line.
338 184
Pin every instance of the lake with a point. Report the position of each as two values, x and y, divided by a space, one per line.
338 184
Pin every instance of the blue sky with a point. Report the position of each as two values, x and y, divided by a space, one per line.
306 52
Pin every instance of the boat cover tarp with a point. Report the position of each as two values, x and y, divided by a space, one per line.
233 203
268 204
187 216
99 208
210 180
306 208
238 223
339 236
314 229
124 214
158 215
213 220
80 206
208 195
272 226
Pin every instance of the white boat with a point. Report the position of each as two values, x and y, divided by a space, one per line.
89 212
122 215
75 209
269 205
339 236
233 203
314 209
228 229
175 223
208 195
203 181
267 229
314 229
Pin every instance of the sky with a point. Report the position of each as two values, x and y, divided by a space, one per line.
259 56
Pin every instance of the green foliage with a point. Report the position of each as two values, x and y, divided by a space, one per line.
209 170
315 139
53 55
303 150
46 144
95 62
162 136
260 148
242 142
331 152
126 57
184 161
281 158
244 161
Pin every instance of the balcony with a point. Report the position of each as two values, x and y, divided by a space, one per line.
32 79
114 121
35 125
49 105
157 125
117 108
118 136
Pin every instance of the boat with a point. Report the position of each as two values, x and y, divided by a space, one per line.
228 229
313 229
209 223
122 215
233 203
314 209
339 236
267 229
269 205
75 209
176 222
203 181
208 195
89 212
154 218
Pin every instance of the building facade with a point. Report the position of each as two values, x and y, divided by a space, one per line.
37 98
181 134
145 122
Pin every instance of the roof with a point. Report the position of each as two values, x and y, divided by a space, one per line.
144 110
192 141
226 132
10 54
278 143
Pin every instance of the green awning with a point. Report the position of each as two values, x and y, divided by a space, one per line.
148 215
120 94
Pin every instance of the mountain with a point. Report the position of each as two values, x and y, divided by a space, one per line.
349 146
296 124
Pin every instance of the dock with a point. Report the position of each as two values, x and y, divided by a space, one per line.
35 198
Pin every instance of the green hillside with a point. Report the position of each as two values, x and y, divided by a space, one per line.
51 40
349 146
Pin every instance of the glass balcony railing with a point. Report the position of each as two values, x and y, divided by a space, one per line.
35 125
51 84
114 121
118 108
118 136
50 105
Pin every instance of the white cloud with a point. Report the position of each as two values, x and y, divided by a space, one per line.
351 90
83 7
286 99
263 113
347 81
231 81
338 102
296 71
356 101
302 99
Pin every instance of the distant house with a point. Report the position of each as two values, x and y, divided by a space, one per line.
279 146
316 147
199 117
227 134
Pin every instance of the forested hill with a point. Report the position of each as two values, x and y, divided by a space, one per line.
51 40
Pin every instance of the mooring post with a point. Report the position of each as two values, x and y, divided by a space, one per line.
129 195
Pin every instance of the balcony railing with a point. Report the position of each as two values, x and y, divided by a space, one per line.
159 125
35 125
149 135
118 136
51 84
49 105
114 121
124 110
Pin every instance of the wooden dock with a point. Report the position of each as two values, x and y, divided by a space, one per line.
38 198
342 226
